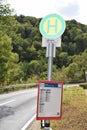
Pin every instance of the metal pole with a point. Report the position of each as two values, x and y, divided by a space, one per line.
50 63
50 60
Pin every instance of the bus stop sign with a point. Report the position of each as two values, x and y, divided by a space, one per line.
52 26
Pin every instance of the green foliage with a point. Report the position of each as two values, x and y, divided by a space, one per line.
8 60
71 93
13 88
5 8
83 85
72 71
5 51
60 75
63 59
81 59
75 37
22 57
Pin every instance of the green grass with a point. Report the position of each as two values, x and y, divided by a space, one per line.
13 89
74 113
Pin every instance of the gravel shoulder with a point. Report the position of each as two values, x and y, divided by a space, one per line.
35 125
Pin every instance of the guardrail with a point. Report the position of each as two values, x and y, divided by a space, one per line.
19 85
31 85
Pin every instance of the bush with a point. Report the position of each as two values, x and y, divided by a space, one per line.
83 85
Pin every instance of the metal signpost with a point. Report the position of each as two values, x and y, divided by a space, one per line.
52 27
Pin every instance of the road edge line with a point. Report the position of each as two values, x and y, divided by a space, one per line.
7 102
28 123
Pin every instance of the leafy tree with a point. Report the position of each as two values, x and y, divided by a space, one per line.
14 72
5 8
30 69
5 47
81 60
81 42
34 67
60 75
63 59
74 37
6 58
72 72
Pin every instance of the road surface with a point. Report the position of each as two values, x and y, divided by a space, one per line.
17 109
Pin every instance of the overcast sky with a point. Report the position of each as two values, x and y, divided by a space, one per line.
68 9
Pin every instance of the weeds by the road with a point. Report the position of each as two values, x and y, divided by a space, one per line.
14 88
74 116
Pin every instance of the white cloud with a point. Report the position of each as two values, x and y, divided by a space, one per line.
38 8
69 9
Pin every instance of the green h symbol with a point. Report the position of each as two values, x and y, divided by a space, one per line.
55 26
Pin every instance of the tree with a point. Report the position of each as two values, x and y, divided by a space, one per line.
81 60
63 59
5 8
30 68
5 47
14 73
72 72
7 59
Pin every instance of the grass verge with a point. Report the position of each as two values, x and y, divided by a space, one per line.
74 116
13 89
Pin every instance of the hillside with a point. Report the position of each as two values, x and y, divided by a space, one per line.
22 58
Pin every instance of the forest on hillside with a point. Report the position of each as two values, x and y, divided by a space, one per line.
23 59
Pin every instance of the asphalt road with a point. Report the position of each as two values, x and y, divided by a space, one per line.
17 109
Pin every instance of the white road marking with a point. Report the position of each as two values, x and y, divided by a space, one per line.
29 122
4 103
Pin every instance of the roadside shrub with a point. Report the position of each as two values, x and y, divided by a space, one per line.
83 85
